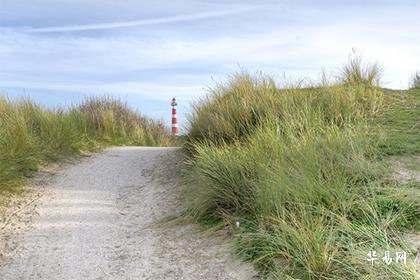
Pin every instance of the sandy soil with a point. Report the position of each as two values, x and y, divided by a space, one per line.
102 219
405 170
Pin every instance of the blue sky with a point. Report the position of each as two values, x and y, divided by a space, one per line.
146 52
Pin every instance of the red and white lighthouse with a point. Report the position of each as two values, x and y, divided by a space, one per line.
175 130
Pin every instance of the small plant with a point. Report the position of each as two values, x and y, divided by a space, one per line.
415 81
357 72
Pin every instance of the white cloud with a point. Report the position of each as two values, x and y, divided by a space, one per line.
109 62
303 50
136 23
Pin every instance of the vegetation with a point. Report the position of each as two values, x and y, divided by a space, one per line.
415 81
399 122
356 72
303 171
32 135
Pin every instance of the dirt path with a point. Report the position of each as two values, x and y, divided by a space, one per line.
101 219
406 169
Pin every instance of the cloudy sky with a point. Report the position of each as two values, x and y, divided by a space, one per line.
146 52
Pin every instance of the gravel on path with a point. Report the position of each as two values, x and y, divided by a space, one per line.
101 218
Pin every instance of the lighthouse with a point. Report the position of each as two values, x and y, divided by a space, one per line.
175 130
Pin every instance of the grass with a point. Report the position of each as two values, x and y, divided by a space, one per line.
302 169
415 81
32 135
399 121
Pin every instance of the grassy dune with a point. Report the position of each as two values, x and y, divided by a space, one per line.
400 122
31 135
304 171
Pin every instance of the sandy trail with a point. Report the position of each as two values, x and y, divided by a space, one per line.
101 219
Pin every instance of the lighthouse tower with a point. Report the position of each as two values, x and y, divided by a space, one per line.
175 130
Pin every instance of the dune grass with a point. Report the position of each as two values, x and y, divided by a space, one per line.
302 171
399 121
415 80
31 135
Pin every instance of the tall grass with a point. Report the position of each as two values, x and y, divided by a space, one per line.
114 122
298 168
357 72
31 135
415 80
231 112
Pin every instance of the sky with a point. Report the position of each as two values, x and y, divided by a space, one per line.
146 52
